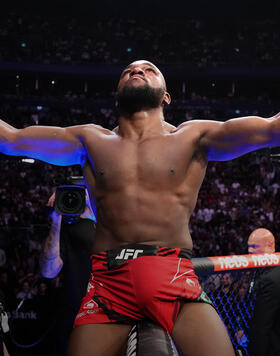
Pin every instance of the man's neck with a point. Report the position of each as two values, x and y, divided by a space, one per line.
142 124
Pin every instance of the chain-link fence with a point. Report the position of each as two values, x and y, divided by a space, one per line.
233 292
233 295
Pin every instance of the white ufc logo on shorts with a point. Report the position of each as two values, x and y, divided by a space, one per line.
90 305
126 253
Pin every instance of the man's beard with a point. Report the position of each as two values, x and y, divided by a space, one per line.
130 99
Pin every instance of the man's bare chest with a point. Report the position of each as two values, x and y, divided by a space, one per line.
153 163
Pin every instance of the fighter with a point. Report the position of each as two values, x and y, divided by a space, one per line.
145 178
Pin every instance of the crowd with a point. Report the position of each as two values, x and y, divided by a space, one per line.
28 37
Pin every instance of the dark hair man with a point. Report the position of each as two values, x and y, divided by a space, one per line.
145 178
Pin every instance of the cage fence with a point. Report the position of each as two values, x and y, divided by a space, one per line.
232 284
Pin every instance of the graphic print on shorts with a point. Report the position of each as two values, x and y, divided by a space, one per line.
177 275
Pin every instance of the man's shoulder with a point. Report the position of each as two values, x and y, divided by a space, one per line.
195 129
198 124
93 129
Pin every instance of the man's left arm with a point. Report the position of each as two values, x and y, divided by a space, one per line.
236 137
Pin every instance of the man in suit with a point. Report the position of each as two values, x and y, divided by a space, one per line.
264 333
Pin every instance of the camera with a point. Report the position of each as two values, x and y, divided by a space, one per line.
70 200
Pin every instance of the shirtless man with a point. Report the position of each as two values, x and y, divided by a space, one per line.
145 178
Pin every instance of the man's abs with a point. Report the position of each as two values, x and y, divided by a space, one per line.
106 241
155 219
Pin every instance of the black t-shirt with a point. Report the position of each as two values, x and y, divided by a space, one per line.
76 242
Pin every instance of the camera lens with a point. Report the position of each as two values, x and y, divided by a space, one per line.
70 200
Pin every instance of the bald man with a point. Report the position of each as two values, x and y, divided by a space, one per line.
261 241
264 332
145 179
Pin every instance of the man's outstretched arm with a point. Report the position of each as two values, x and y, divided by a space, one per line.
56 145
233 138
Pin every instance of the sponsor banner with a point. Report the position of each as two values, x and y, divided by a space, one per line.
224 263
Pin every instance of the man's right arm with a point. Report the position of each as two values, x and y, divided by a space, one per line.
55 145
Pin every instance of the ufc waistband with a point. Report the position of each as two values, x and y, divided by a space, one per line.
116 257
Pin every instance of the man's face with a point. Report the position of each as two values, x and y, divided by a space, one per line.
226 279
140 73
256 244
141 87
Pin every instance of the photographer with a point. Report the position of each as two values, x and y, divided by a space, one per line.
68 246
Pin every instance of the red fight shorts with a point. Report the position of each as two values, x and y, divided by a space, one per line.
138 282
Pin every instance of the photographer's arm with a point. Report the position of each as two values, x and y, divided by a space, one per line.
55 145
51 262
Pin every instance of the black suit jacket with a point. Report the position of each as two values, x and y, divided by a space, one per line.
264 333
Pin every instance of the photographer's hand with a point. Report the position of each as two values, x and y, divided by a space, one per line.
54 216
4 322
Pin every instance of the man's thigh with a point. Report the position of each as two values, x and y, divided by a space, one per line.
98 340
199 331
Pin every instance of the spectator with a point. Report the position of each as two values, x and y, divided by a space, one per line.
25 291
